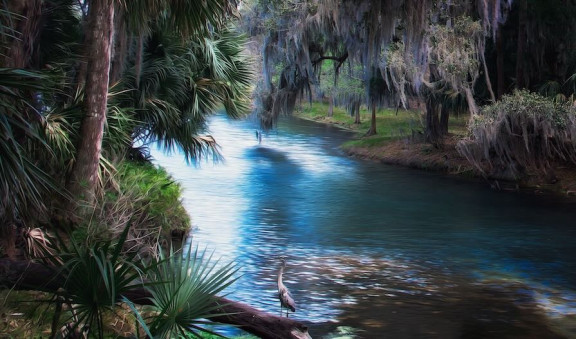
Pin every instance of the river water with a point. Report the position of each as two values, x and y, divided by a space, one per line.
377 251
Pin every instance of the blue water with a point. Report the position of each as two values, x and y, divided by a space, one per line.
376 250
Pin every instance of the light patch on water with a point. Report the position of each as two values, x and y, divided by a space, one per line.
556 304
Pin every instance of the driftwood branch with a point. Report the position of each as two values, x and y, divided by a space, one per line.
27 275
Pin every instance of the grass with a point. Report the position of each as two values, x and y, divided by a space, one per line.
391 124
160 192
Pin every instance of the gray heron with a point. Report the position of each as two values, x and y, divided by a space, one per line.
286 300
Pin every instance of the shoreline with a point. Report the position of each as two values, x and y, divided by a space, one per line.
424 156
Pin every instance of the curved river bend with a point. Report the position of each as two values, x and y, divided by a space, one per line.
376 251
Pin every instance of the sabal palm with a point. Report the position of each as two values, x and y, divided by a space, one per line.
183 290
189 21
22 182
188 18
182 83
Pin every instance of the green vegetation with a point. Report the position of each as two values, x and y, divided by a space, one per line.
183 291
97 277
522 131
73 102
141 193
391 124
156 193
25 317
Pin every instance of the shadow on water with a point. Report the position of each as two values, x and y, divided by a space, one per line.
266 153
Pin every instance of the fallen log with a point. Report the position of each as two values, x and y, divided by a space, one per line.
27 275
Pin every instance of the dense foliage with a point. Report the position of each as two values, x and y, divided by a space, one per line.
82 83
447 55
522 131
172 64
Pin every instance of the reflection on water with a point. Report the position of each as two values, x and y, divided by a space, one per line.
375 250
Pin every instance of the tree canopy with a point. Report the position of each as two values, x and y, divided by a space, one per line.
86 83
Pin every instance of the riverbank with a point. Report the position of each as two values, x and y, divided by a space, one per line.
447 160
400 143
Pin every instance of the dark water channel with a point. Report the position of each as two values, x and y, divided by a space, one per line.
376 250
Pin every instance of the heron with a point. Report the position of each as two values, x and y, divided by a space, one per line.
259 136
284 295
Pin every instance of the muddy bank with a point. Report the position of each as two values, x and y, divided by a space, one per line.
446 159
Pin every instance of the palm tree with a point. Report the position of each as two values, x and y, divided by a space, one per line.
44 117
188 18
180 83
84 175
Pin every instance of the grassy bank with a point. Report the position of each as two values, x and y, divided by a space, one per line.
400 142
391 124
399 139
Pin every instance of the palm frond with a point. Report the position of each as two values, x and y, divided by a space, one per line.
22 182
181 83
97 276
185 291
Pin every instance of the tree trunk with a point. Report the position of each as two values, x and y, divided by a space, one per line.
499 64
120 52
8 237
433 134
330 106
139 58
356 108
521 81
84 177
27 22
444 118
26 275
487 78
432 128
372 130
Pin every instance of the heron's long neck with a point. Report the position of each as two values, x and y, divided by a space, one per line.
280 273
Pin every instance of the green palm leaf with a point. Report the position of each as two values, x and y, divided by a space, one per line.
22 182
97 276
184 294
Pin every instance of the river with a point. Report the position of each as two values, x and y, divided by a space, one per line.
377 251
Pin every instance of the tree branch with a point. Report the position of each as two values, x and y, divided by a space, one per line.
340 59
27 275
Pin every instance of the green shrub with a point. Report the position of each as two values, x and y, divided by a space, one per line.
146 196
160 194
521 131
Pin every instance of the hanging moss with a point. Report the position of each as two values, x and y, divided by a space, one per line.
300 34
523 132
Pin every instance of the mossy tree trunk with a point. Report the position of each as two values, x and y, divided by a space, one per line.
433 128
331 106
499 65
372 130
433 132
444 118
521 81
